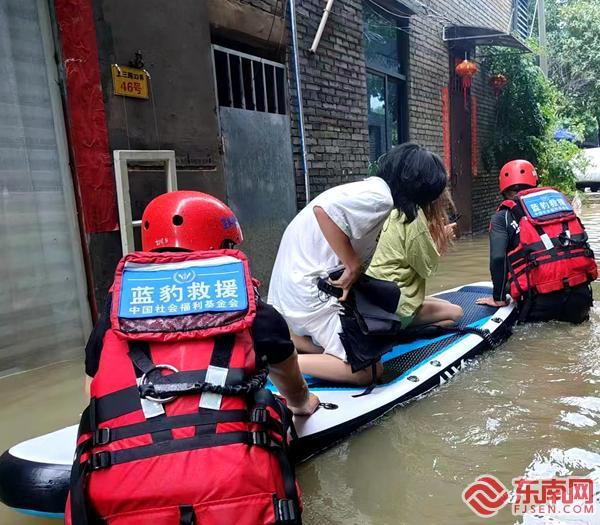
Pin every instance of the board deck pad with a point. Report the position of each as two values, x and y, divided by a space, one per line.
34 475
406 356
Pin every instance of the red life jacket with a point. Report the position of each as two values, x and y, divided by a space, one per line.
553 252
180 430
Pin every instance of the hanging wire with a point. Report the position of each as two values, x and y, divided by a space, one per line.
388 11
125 113
283 16
392 26
430 13
273 21
386 21
126 123
151 86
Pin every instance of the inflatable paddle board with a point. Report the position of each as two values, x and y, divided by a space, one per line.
34 475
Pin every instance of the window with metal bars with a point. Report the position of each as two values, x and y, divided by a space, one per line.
248 82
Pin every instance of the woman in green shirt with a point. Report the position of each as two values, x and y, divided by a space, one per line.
408 253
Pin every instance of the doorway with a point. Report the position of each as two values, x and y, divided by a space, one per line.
461 180
257 151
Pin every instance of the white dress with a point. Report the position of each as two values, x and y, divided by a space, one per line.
359 209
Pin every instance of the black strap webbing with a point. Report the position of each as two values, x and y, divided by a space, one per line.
373 384
117 404
187 515
106 459
575 241
221 354
139 353
127 400
204 421
287 511
570 254
79 512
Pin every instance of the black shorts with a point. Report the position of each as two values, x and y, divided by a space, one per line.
571 305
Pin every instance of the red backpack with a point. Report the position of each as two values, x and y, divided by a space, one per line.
180 429
553 252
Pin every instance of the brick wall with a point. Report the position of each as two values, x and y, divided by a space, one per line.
334 90
429 72
334 93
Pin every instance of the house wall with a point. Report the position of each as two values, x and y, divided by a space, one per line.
429 73
334 90
174 38
175 41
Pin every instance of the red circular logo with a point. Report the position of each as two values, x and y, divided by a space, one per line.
485 496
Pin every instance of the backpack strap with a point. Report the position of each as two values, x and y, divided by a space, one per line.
287 510
513 207
218 370
506 204
187 515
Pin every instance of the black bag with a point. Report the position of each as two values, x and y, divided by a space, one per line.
370 326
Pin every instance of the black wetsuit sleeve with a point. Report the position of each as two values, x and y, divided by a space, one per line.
93 348
499 240
271 335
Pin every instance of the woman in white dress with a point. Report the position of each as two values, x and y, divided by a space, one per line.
340 228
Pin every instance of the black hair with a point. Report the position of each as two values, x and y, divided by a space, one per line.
518 188
415 176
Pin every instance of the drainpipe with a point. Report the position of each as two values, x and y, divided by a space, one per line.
299 94
315 44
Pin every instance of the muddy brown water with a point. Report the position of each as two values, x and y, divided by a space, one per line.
531 407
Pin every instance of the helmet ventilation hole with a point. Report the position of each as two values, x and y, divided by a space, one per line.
146 225
177 220
506 174
522 171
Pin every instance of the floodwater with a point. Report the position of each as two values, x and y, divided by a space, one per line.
529 408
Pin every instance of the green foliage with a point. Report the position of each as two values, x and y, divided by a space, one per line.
558 163
373 169
522 118
574 57
527 115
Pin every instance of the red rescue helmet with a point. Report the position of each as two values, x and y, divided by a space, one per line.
518 172
189 220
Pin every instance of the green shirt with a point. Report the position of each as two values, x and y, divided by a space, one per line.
407 255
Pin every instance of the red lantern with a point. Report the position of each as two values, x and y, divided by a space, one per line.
498 83
466 71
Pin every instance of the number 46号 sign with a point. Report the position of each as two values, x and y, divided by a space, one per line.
129 81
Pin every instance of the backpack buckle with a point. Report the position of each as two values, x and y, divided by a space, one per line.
102 436
286 511
259 415
261 439
100 460
146 387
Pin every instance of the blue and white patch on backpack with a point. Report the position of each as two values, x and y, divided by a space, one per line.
546 202
185 288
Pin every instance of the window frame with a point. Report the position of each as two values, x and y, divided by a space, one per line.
403 42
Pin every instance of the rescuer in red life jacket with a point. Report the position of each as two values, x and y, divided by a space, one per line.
189 221
538 250
181 428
